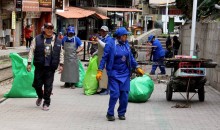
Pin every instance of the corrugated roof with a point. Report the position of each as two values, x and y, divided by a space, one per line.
75 12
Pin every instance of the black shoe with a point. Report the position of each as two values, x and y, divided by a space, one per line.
121 117
161 73
110 118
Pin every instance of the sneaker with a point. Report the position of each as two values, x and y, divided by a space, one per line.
38 102
110 118
104 92
45 107
121 117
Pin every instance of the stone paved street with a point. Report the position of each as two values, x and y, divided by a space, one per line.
72 110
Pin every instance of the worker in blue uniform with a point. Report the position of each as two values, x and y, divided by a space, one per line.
158 55
119 63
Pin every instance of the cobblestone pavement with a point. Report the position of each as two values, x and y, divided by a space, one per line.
71 110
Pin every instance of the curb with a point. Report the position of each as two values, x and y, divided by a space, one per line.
2 100
2 57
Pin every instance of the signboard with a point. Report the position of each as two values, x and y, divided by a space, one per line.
45 3
33 14
13 18
59 4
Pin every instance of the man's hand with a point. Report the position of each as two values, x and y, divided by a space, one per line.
99 75
96 39
139 71
29 68
60 69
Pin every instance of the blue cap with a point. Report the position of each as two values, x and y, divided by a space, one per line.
70 29
121 31
150 38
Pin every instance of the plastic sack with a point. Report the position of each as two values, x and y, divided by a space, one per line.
90 83
22 79
141 89
81 75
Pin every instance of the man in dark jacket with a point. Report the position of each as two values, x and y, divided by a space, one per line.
47 56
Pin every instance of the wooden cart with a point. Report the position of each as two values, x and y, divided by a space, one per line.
187 75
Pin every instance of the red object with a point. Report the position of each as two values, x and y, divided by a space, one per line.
27 32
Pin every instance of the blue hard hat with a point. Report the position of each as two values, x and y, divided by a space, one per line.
70 29
150 38
121 31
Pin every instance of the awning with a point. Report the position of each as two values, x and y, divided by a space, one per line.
100 16
30 5
111 9
44 9
74 12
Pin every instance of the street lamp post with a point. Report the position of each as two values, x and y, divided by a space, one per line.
166 19
192 45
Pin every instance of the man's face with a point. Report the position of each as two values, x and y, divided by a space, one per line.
70 34
48 30
103 33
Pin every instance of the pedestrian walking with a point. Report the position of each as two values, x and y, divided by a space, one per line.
158 55
47 55
169 48
72 45
102 40
28 36
119 63
176 45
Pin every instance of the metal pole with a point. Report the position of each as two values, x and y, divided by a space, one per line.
165 31
193 27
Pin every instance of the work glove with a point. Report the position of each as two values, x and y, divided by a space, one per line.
139 71
29 68
99 75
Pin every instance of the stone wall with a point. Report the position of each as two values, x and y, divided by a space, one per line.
143 38
208 39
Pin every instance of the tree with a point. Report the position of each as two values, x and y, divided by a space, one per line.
205 8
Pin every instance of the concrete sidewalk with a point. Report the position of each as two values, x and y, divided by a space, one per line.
71 110
5 53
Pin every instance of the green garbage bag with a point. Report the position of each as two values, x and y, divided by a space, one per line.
22 79
141 89
81 75
90 84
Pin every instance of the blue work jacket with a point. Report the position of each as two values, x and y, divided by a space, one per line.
158 51
109 54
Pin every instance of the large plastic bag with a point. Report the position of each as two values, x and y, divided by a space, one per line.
22 79
81 76
141 89
90 83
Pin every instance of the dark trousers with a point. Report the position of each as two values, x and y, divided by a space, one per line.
28 42
44 76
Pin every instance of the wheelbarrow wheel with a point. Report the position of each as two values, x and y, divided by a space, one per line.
201 94
169 92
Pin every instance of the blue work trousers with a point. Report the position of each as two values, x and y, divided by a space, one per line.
117 91
159 63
